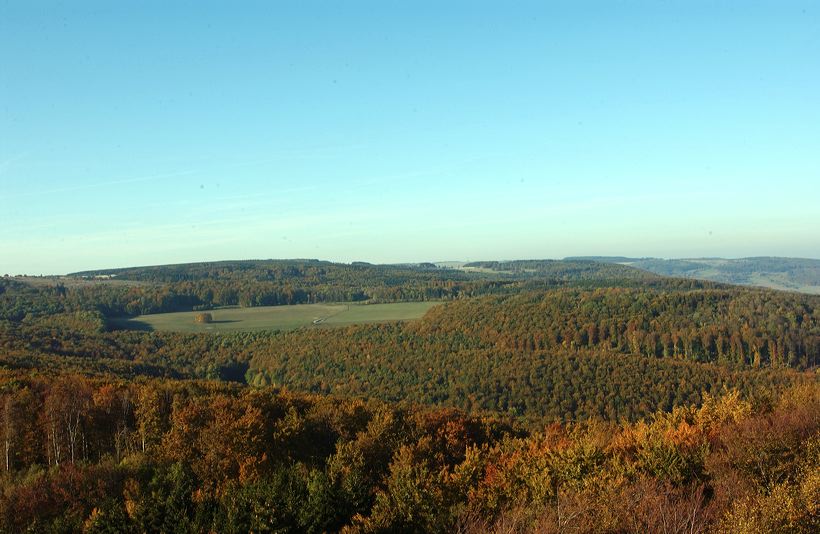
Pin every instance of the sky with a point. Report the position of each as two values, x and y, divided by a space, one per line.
167 132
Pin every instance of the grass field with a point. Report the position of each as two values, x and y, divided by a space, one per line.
279 317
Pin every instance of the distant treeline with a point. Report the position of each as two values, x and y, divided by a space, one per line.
310 272
564 270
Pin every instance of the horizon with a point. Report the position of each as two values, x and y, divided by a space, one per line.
177 132
438 263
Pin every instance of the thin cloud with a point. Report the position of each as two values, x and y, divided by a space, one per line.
310 152
7 163
102 185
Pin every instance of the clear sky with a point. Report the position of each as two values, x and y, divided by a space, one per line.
135 133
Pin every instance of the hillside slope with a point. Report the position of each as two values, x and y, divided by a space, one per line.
789 274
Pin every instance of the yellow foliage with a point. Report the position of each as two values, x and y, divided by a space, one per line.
810 492
717 411
785 509
800 396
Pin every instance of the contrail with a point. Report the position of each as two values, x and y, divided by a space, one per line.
147 178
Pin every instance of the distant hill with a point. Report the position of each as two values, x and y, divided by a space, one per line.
307 271
790 274
564 270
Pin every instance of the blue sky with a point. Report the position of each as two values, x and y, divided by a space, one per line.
406 131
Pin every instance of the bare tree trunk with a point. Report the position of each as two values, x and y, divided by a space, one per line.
54 443
8 429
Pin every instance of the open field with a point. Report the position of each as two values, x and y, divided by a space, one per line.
278 317
782 282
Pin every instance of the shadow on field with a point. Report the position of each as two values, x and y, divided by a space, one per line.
128 324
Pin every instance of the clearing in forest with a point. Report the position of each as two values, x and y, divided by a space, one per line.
278 317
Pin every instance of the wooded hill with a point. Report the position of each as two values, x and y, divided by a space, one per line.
561 354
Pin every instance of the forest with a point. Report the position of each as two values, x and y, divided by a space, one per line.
538 397
105 455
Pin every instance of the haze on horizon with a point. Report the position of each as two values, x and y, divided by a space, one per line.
194 131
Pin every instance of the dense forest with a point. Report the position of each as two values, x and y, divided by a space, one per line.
539 396
564 354
103 455
710 325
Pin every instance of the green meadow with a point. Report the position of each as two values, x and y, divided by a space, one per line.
278 317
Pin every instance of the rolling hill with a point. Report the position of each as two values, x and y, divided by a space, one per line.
788 274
